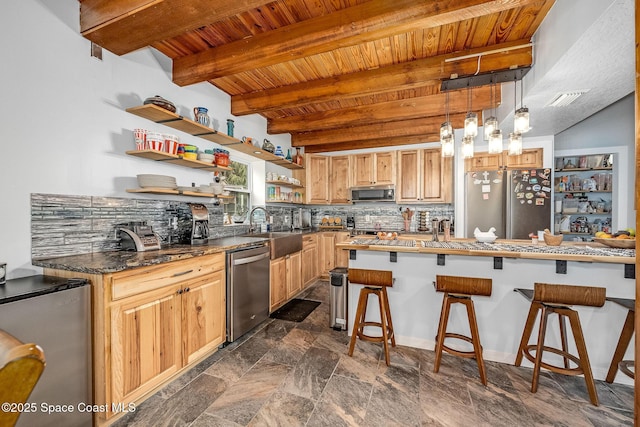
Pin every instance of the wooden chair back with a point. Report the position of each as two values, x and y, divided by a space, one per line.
569 294
370 277
20 368
463 285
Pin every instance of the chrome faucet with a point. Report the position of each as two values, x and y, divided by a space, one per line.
266 214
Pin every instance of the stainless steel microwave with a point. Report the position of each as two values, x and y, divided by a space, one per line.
373 193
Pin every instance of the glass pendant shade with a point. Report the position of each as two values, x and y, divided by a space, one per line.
445 130
495 142
489 126
467 147
521 120
448 146
471 125
515 144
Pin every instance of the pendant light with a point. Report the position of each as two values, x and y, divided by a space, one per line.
515 144
491 124
515 138
448 148
495 142
467 147
446 128
521 115
471 120
446 133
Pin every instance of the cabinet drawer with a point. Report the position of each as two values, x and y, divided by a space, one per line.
309 240
145 279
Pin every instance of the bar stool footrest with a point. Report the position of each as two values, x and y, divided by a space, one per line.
360 333
466 354
628 368
559 369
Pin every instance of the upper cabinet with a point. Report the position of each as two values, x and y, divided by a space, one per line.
327 179
339 182
373 168
529 159
424 176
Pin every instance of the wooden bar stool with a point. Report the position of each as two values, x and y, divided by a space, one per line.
548 299
627 367
459 290
376 283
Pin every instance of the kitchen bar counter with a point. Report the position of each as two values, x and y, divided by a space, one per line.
567 251
415 306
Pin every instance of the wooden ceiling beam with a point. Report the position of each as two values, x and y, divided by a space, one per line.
401 128
404 109
402 76
366 22
122 26
372 143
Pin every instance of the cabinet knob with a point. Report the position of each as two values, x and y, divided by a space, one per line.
179 291
187 289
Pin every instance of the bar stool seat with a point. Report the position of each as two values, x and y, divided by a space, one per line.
459 290
627 367
550 298
375 283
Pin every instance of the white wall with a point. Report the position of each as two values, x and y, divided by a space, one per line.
65 130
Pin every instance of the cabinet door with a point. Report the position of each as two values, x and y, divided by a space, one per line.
294 274
326 256
529 159
317 179
203 314
437 177
278 282
309 260
339 182
482 162
145 342
341 255
384 168
362 169
408 189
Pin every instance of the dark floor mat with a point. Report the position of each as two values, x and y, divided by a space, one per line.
295 310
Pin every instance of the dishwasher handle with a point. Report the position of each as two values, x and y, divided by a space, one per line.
250 259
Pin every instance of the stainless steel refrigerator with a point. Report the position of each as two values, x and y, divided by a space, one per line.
515 202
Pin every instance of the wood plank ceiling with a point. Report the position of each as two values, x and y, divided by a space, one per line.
335 74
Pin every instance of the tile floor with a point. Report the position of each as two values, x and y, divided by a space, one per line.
298 374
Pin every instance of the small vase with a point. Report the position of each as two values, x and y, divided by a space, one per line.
201 116
229 127
288 155
299 157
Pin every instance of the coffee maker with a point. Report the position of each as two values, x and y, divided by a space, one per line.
199 223
351 222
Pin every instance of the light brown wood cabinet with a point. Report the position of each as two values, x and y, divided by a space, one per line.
424 176
309 263
151 323
378 168
340 179
285 279
317 179
529 159
329 256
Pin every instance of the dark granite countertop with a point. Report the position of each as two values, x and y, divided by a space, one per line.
33 286
114 261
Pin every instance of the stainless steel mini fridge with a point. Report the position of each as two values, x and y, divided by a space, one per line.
515 202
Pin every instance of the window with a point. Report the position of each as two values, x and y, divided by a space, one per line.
237 183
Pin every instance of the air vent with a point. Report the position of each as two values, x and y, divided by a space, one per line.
565 98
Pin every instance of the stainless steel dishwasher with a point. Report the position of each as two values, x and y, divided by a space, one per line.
247 290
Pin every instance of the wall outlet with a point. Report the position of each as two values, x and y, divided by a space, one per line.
367 218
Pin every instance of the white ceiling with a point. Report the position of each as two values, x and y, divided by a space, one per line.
600 60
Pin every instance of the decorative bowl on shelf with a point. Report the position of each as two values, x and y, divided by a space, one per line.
161 102
617 243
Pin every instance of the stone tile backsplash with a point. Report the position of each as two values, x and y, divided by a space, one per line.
67 225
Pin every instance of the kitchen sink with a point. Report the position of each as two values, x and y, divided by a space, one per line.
281 242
